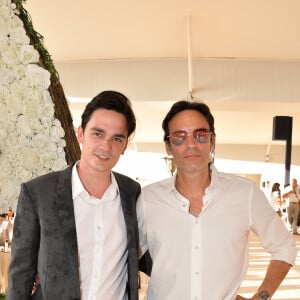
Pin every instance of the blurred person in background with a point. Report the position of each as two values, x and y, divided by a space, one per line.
292 197
275 199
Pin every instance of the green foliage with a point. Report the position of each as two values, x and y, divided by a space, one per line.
2 296
37 40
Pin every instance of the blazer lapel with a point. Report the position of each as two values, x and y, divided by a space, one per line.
125 202
65 211
128 202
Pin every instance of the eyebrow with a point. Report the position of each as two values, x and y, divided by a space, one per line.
119 135
190 129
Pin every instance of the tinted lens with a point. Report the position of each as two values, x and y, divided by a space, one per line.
201 136
178 138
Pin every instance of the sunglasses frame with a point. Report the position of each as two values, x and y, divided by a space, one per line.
200 135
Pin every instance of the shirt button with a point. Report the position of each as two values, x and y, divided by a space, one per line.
196 247
98 227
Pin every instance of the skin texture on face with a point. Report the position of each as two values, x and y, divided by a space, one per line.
103 141
190 157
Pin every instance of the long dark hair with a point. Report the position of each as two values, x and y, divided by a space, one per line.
276 188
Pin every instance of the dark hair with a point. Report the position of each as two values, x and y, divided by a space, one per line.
180 106
110 100
276 188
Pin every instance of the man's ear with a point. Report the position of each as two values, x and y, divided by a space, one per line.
212 143
168 148
125 147
80 134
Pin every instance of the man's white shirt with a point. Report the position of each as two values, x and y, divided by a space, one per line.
206 257
102 242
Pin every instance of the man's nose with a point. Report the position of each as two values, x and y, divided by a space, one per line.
106 144
190 140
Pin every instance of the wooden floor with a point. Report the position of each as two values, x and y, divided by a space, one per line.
259 259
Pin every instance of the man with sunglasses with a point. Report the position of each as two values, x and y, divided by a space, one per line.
196 224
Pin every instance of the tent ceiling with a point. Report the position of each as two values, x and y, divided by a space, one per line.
244 99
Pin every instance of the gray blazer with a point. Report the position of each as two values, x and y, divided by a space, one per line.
45 238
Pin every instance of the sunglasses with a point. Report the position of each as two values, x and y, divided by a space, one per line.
201 136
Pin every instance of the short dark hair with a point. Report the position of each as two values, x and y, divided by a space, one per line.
182 105
110 100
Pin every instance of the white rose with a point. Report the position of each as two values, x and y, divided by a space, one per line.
47 159
4 27
18 35
16 21
57 131
62 144
29 158
23 126
46 97
3 117
18 71
46 122
23 174
10 55
13 156
51 146
37 76
2 64
3 42
4 94
10 189
59 164
5 165
24 141
11 139
46 110
31 108
16 89
57 123
62 155
24 83
15 105
31 138
40 141
5 2
6 77
36 125
12 119
28 54
5 12
41 171
3 134
34 94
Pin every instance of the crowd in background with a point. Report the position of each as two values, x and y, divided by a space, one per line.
287 204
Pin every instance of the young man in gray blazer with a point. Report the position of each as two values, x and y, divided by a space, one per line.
75 231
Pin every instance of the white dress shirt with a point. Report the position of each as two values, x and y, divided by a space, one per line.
206 257
102 241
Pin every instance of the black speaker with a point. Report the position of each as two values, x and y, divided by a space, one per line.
282 127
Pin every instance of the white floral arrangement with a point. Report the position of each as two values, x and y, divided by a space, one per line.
31 138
